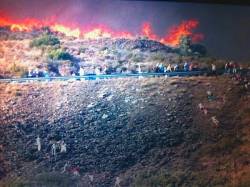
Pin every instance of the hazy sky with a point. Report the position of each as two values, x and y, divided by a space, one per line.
226 27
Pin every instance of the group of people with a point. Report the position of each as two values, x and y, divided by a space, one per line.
61 145
96 70
229 68
232 67
204 109
32 73
160 68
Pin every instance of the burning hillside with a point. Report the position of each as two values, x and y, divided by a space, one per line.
172 37
25 45
61 50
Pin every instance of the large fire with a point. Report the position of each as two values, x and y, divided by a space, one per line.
147 31
184 29
171 38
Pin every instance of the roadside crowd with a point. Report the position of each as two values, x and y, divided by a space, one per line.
230 68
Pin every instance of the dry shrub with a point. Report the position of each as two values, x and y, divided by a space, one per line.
13 69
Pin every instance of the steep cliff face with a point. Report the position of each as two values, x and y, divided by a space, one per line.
146 132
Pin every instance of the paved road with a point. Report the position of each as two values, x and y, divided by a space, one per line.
94 77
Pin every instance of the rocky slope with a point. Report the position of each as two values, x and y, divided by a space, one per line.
146 132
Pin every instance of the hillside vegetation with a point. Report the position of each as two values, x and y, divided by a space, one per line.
45 49
138 132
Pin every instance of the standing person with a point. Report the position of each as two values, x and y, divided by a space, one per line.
240 68
215 121
73 74
226 67
191 67
201 106
53 149
97 71
105 70
65 167
234 68
63 148
46 75
37 72
38 143
91 179
176 67
81 72
165 69
213 69
186 66
210 95
117 182
161 68
30 73
157 69
231 64
169 69
139 68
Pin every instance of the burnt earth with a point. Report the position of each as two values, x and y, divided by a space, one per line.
111 127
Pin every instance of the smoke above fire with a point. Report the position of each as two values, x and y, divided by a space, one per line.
171 38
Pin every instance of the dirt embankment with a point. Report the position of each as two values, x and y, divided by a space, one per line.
146 131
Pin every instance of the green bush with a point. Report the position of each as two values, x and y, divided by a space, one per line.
187 48
59 54
53 66
45 40
185 45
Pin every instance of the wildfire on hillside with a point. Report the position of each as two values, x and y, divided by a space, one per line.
172 37
184 29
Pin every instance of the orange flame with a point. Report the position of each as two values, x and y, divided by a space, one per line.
184 29
96 33
172 37
148 31
66 30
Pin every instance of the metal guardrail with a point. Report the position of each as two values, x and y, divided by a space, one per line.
105 76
